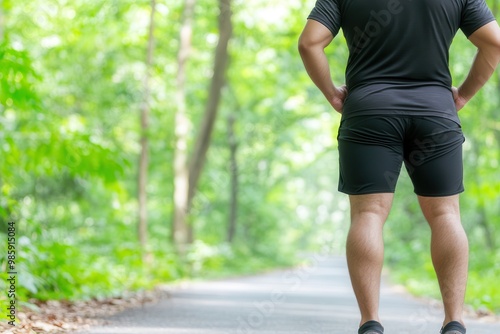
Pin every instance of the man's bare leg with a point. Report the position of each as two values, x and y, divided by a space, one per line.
365 250
449 250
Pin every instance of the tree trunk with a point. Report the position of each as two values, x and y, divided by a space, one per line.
187 174
199 155
180 228
144 156
233 170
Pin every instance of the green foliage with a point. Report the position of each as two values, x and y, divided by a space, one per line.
17 77
71 76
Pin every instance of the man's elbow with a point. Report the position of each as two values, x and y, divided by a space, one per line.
306 45
496 48
303 46
487 40
493 52
494 45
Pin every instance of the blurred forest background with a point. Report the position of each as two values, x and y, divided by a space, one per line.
147 141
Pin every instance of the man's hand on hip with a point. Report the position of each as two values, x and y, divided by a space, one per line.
460 101
337 101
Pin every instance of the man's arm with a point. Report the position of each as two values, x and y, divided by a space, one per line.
312 43
487 41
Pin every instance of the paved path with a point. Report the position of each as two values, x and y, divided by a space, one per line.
317 299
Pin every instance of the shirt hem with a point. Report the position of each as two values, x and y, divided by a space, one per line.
399 113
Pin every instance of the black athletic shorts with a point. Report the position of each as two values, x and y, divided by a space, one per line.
373 148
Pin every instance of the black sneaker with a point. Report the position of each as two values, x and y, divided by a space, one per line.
371 327
453 327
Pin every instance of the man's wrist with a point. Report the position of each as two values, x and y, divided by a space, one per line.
331 93
463 95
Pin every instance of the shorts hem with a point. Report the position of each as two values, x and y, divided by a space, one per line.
440 195
367 192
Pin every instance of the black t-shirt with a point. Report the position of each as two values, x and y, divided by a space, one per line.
399 51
